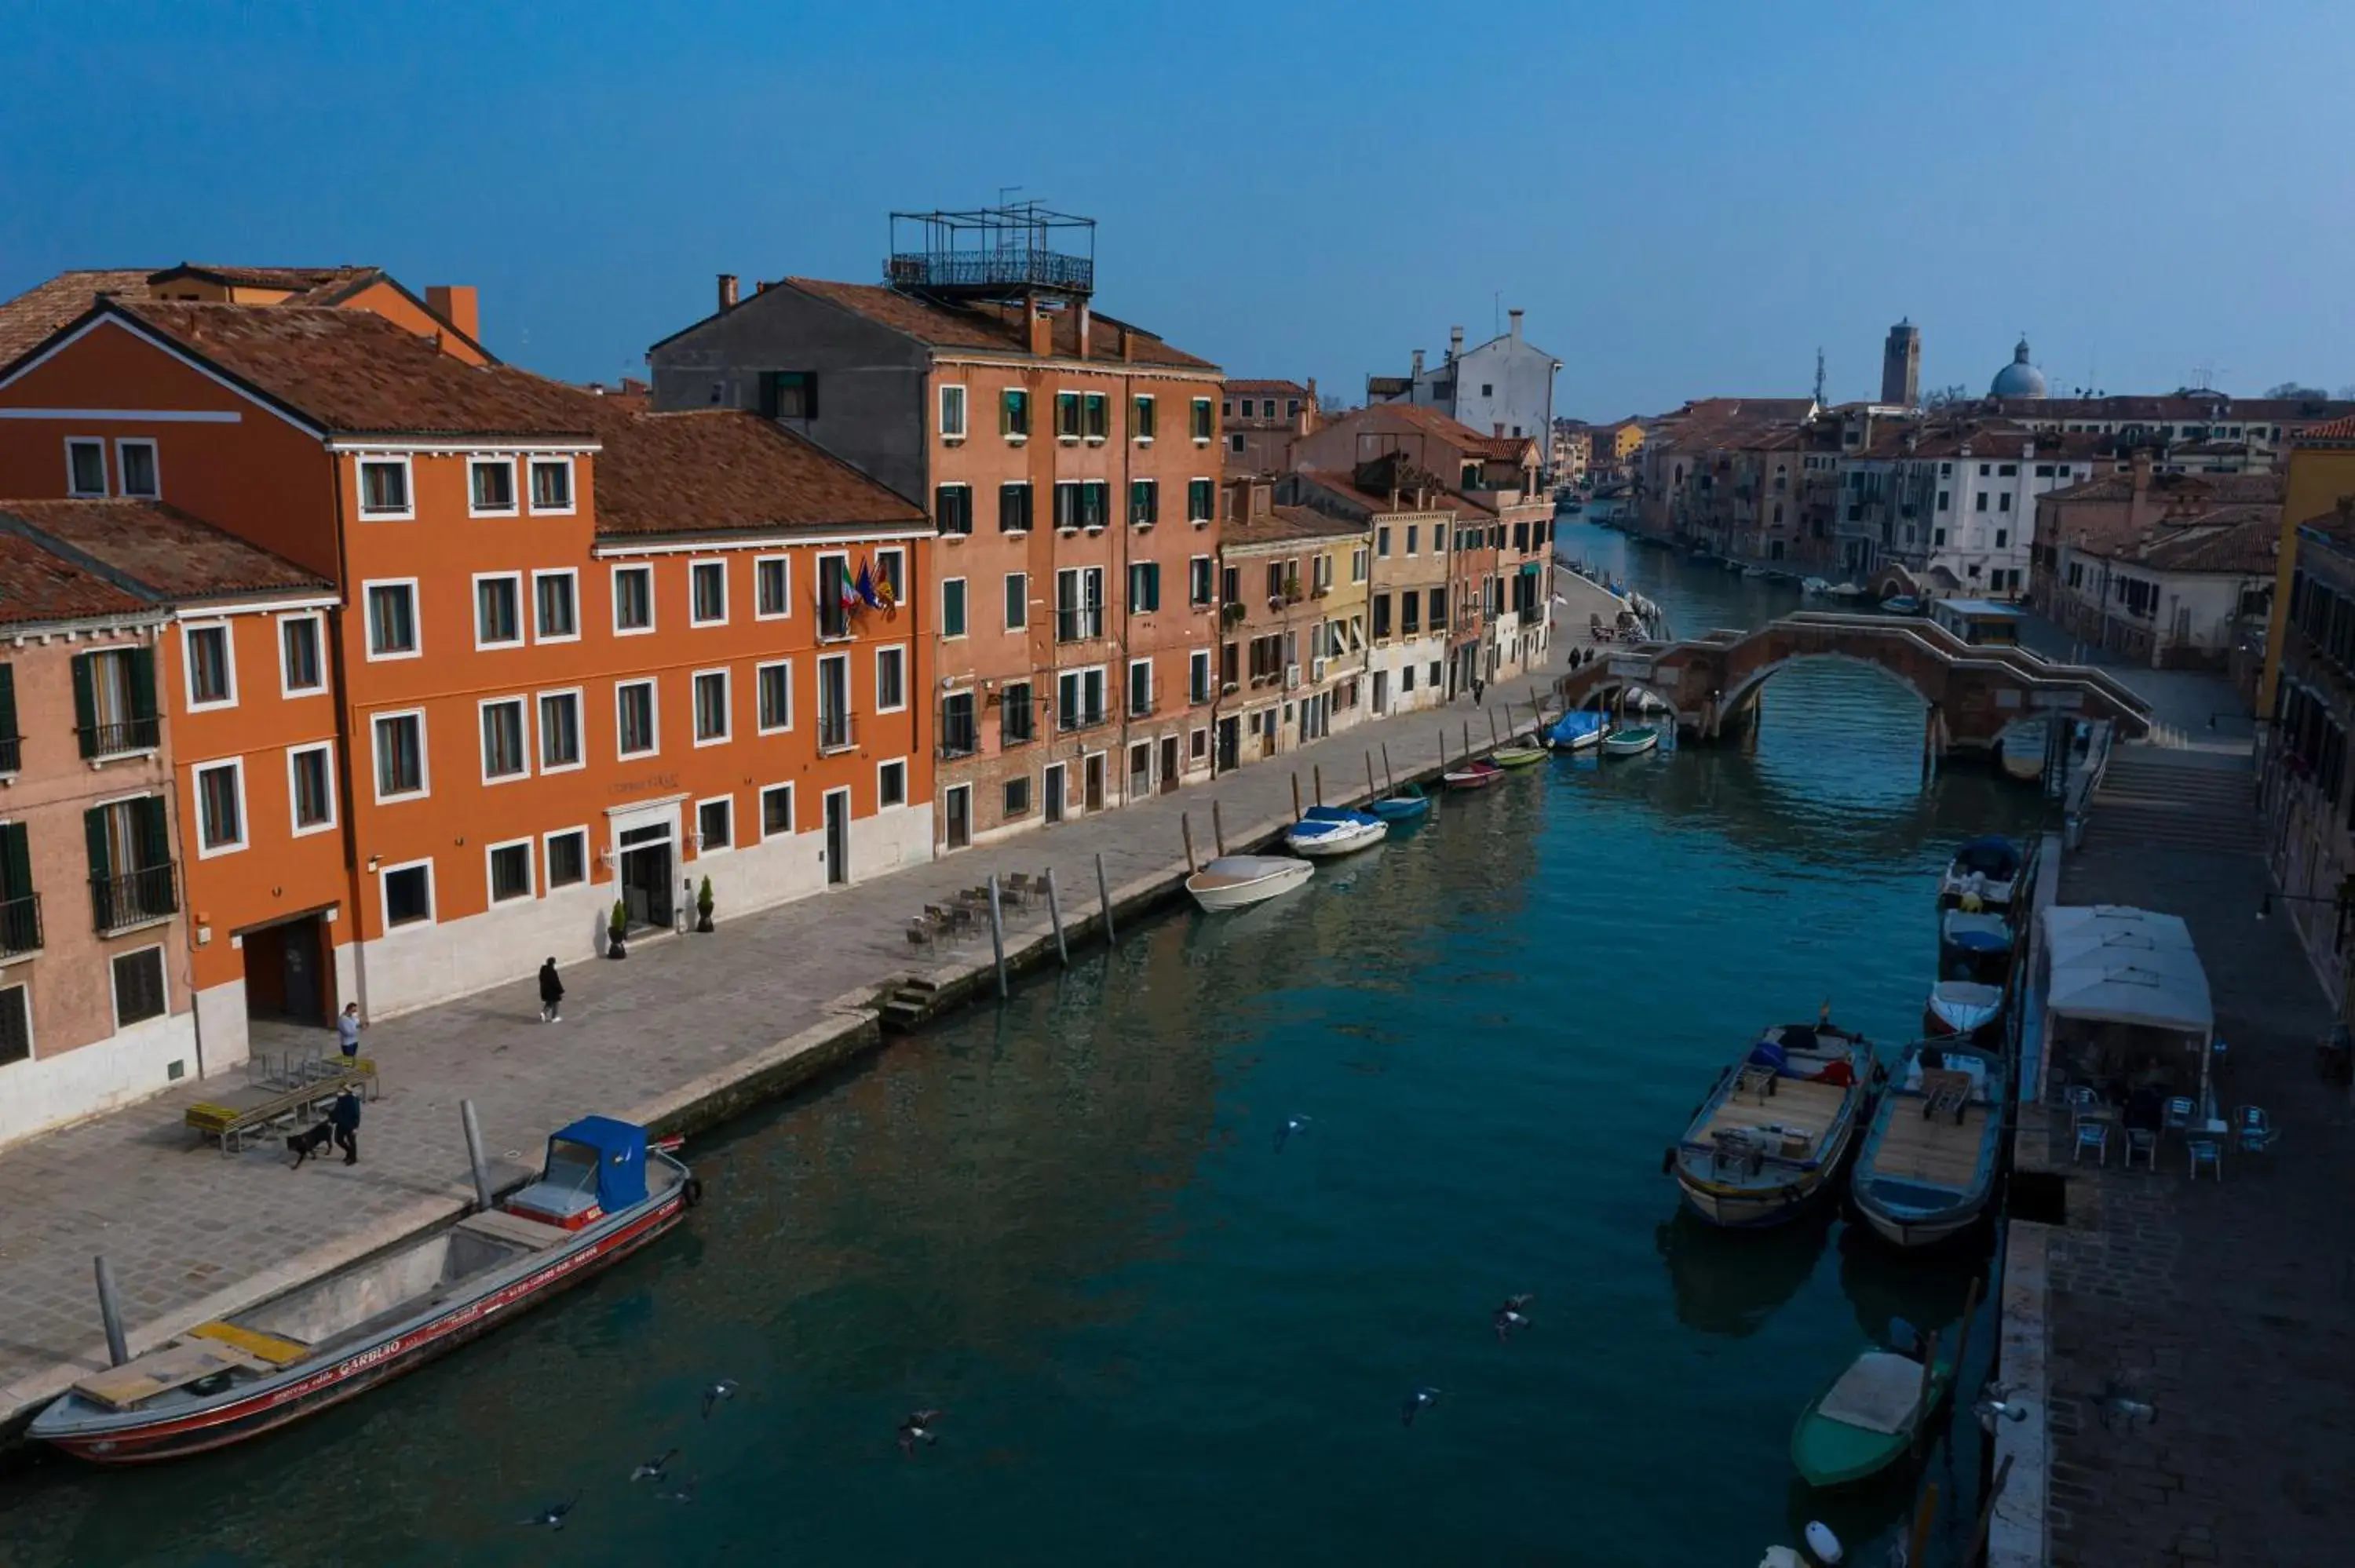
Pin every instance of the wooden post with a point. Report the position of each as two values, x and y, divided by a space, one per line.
1218 829
1055 914
1467 740
109 1311
1922 1399
1389 778
1963 1340
997 933
1492 727
1104 893
1316 777
1371 791
1927 1511
1186 826
1295 794
1987 1511
474 1161
1443 748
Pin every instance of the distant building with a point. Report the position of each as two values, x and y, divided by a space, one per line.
2302 792
1901 366
1259 421
2018 379
1573 451
1410 515
1503 388
2182 597
1292 647
1612 448
2320 474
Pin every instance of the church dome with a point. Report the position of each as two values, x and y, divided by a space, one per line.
2019 378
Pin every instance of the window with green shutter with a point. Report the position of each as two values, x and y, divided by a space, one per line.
11 743
20 911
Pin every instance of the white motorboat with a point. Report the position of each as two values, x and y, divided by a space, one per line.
1239 881
1329 831
1814 586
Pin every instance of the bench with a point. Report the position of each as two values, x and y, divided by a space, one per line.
259 1112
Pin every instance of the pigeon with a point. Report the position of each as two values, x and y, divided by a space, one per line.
684 1494
1510 1317
553 1514
1421 1400
1996 1405
1292 1124
918 1428
652 1470
2116 1403
724 1389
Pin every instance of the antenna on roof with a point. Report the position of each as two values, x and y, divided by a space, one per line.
1819 376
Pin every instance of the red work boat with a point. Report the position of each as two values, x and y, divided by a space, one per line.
1477 774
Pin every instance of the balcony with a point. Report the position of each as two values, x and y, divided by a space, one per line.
12 753
1079 625
20 926
117 739
132 898
833 732
1137 710
1074 719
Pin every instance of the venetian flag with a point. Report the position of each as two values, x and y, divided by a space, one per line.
866 587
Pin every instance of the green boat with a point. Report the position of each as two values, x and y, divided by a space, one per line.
1867 1418
1517 755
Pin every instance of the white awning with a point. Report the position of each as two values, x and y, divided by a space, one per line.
2074 930
2163 988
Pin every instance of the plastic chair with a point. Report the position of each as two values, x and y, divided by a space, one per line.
2253 1131
2093 1135
2143 1141
2179 1114
2207 1152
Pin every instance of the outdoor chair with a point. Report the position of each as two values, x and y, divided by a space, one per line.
2142 1141
944 923
2179 1114
2253 1131
2093 1135
2207 1152
922 933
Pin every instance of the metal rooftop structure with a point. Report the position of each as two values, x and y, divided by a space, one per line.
992 253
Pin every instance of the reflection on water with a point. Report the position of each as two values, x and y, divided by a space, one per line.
1158 1338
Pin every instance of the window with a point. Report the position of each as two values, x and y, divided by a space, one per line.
960 735
392 619
560 731
706 593
502 746
567 858
139 987
1235 441
1140 687
1231 584
891 784
135 460
1358 565
634 708
551 484
1382 541
1198 676
953 607
212 678
408 894
1140 418
1144 587
1080 699
2044 471
1412 529
633 600
400 755
952 413
834 596
1078 604
85 468
953 508
788 394
891 679
1014 714
510 870
2002 537
1438 617
1098 410
891 580
2003 501
1144 502
1017 601
776 810
1017 798
1488 389
498 611
301 669
1067 416
1937 538
1198 582
310 787
220 808
710 706
1979 502
16 1025
1409 616
1014 414
715 824
1201 420
834 703
1382 613
772 687
1014 508
1200 499
2005 470
490 487
1943 496
771 588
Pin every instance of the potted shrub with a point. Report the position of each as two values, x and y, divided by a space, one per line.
703 906
1292 589
1232 613
615 929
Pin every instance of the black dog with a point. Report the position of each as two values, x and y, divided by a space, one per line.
306 1144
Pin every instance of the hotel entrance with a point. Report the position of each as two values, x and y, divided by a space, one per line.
646 874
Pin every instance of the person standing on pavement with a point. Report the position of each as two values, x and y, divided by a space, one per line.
552 993
347 1030
346 1119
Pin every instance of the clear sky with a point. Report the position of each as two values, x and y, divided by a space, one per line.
1687 199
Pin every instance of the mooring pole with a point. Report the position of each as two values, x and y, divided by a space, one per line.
997 933
1371 791
1055 914
1295 794
1492 727
1388 778
1317 773
475 1159
1986 1510
1104 893
1186 827
1218 829
109 1310
1467 738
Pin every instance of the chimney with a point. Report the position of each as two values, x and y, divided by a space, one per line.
1455 344
726 291
1084 317
1120 342
1418 364
454 303
1515 317
1042 331
1498 428
2141 470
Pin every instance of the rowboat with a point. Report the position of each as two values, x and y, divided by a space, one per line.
1773 1132
1239 881
1982 875
1517 755
1631 742
1902 604
1329 831
604 1194
1865 1420
1408 805
1966 1010
1928 1162
1816 586
1577 731
1477 774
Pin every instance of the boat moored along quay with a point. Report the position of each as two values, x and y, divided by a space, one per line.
1928 1164
1773 1134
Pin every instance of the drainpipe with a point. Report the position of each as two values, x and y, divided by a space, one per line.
353 871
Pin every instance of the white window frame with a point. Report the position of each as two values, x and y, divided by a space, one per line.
965 587
537 577
694 566
786 565
900 649
522 616
424 759
105 474
319 644
1191 515
760 804
547 861
1199 659
189 629
653 613
1200 440
1212 598
523 738
236 766
695 824
491 899
759 722
572 497
1134 399
361 462
296 828
1128 685
727 706
416 650
964 411
901 764
515 497
579 730
114 997
653 714
384 877
893 552
122 469
1024 625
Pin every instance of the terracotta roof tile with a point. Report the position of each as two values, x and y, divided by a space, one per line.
1287 523
718 470
1268 389
999 328
37 586
157 551
2338 429
29 318
2242 539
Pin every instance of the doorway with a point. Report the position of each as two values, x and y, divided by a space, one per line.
1231 742
285 971
837 837
960 816
1381 693
1092 781
1140 770
1054 782
1169 769
646 874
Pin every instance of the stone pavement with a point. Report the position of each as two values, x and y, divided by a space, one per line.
193 1234
2225 1308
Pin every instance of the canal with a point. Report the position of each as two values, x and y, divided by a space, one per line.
1158 1338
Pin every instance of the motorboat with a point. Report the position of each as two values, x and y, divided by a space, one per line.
1774 1131
1814 586
605 1190
1577 731
1964 1008
1846 590
1902 604
1631 742
1407 805
1326 831
1477 774
1984 875
1239 881
1517 755
1927 1165
1974 960
1867 1418
2021 749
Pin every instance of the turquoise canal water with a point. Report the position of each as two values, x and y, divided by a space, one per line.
1158 1338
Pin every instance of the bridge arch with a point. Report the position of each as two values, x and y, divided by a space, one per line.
1746 690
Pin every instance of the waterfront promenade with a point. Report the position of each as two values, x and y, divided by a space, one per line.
687 1028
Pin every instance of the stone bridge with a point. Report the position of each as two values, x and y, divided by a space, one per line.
1976 690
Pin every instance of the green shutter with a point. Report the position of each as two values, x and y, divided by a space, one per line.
143 683
155 832
8 702
16 862
94 827
85 706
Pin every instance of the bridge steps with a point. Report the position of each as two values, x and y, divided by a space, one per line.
2159 799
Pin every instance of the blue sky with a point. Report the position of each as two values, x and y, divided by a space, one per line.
1687 199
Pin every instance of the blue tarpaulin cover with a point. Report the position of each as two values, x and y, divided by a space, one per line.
621 1150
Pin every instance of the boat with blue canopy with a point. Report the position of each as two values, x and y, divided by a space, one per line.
1406 805
1975 961
1984 875
1325 830
1580 730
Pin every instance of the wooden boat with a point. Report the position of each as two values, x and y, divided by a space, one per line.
1773 1133
1983 874
1407 805
1577 731
1239 881
1866 1419
1964 1010
1927 1165
1517 755
1477 774
1326 831
2020 748
1815 586
1631 742
603 1195
1902 604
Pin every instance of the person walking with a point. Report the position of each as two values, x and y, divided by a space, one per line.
552 993
347 1030
346 1119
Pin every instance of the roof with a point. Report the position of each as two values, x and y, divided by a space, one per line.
994 328
1281 523
2339 430
148 553
32 316
1506 449
2177 407
37 586
2188 488
1268 389
723 470
1430 421
2239 541
1389 386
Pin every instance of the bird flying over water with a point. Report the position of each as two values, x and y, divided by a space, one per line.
1292 1124
684 1494
552 1516
1421 1400
1512 1316
652 1470
724 1389
918 1428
